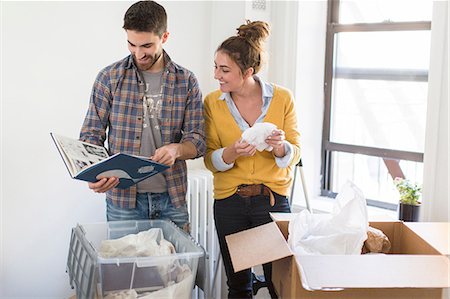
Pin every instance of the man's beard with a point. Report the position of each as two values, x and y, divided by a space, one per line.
153 60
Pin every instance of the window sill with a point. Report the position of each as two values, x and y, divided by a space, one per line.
325 205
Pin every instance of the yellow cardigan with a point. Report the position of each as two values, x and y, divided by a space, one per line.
222 131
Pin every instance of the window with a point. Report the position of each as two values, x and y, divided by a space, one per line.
376 74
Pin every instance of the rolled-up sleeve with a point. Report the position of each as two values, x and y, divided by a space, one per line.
95 123
218 161
292 133
285 161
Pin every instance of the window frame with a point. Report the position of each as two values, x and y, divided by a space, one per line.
390 157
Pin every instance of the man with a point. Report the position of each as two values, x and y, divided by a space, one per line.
151 107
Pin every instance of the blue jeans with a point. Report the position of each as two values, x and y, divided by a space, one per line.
150 206
234 214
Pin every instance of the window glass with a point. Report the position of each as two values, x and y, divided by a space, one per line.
380 90
371 175
377 11
409 50
381 114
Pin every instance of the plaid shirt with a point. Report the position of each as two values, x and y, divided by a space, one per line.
116 104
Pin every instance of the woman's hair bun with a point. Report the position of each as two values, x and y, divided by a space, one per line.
255 32
247 47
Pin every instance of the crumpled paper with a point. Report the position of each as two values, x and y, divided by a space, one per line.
377 242
258 134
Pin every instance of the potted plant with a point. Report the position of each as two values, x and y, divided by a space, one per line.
410 195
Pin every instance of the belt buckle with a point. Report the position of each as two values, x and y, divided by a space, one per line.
242 189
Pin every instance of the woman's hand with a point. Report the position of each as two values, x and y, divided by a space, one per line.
276 140
238 149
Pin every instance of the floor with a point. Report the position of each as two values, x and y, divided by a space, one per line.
263 293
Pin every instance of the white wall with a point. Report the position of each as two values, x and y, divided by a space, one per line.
436 168
51 53
309 90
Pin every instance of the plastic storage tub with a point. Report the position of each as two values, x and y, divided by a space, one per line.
92 275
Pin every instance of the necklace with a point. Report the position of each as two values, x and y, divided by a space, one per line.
152 105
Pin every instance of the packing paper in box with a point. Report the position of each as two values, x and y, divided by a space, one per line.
341 232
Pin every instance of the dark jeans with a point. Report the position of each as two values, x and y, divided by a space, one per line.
234 214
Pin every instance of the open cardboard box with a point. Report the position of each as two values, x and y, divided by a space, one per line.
415 268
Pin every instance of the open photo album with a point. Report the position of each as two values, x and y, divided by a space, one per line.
89 162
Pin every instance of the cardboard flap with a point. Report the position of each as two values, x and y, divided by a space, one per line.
437 234
322 272
257 246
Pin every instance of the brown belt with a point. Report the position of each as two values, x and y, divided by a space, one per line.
255 190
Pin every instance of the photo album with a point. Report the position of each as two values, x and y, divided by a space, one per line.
89 162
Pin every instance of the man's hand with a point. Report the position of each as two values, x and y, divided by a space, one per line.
167 154
238 149
276 140
104 184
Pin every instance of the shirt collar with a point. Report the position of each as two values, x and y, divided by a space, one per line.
266 88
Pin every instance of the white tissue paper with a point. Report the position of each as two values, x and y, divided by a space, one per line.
341 232
145 243
257 135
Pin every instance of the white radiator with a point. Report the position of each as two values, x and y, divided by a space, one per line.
200 202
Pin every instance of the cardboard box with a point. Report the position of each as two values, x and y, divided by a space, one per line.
415 268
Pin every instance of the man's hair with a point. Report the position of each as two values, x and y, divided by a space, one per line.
146 16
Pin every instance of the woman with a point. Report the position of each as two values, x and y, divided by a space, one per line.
248 184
